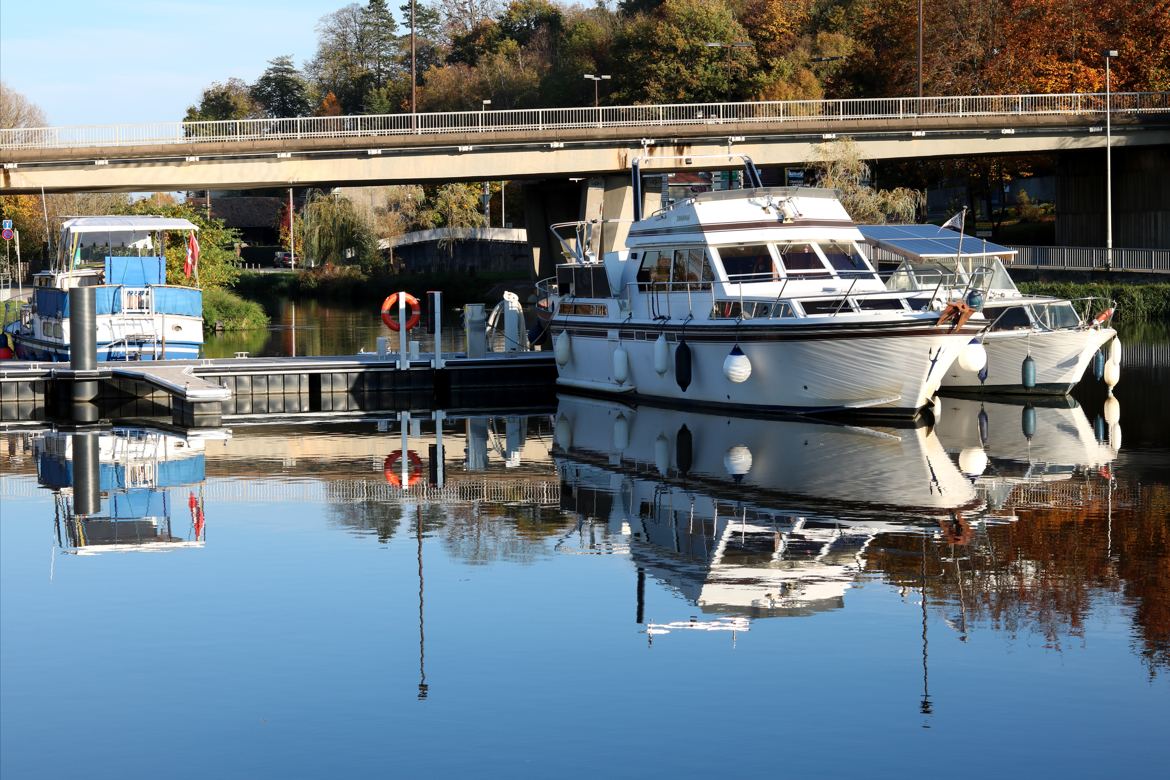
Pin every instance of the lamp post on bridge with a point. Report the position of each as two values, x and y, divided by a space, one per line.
487 192
727 47
596 80
1109 55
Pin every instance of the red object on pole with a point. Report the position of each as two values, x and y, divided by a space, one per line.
192 262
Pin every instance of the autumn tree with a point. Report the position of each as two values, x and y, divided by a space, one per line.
18 111
839 166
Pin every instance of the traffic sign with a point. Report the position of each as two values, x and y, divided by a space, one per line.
6 234
7 224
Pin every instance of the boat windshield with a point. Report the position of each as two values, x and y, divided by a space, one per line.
1057 316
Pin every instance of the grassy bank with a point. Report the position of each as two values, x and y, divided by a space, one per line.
1135 302
224 310
351 285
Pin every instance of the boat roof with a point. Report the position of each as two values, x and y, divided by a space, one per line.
929 242
125 224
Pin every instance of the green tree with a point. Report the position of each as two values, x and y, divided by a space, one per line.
333 232
380 47
218 263
231 99
281 91
679 66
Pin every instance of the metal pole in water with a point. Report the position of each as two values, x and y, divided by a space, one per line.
403 360
83 348
437 318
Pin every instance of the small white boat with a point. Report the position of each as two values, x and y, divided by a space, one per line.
758 298
139 316
1034 343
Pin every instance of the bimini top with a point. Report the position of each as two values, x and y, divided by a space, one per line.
930 242
125 224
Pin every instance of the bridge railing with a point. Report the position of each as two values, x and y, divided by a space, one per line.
1075 258
545 119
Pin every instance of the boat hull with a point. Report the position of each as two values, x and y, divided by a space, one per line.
1060 356
29 348
894 368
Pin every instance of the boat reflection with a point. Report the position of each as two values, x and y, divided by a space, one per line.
1023 451
115 489
753 518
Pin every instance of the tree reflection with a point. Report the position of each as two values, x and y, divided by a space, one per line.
1046 572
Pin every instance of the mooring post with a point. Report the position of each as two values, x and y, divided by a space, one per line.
403 360
86 477
475 327
437 318
83 349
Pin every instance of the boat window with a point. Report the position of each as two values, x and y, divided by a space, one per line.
731 310
1057 316
783 309
847 260
826 306
691 270
879 304
747 262
801 259
1011 318
655 269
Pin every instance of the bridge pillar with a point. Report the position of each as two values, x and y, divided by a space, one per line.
610 201
545 202
1141 198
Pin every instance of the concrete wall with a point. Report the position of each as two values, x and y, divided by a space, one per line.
1141 198
481 256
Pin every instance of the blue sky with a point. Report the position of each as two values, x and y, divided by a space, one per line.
119 61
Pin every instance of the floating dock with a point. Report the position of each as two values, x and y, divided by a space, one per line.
201 393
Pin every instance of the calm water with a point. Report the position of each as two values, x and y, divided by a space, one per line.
595 589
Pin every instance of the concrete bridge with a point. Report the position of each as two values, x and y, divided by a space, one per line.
593 147
554 143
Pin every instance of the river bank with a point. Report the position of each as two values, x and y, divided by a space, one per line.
1136 301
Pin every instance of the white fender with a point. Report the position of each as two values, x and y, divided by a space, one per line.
621 365
563 348
661 355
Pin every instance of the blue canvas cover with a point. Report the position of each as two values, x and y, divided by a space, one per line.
178 300
136 271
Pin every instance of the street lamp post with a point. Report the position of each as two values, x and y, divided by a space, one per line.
727 47
596 80
483 104
1109 55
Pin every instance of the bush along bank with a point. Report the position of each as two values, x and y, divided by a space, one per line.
1135 302
224 310
352 285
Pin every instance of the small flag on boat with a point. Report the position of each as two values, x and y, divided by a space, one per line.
955 222
192 255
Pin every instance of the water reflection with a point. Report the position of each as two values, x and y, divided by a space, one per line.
120 489
754 518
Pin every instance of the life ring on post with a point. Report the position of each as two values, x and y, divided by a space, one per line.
390 311
1103 317
392 473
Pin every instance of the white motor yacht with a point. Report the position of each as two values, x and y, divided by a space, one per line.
1034 343
759 298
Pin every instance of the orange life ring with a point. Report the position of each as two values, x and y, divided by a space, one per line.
390 311
390 468
1104 316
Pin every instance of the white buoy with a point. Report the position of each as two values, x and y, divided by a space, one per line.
1115 437
1112 374
973 357
736 365
662 454
1115 351
563 433
661 355
621 433
621 366
972 461
1112 410
562 348
738 460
